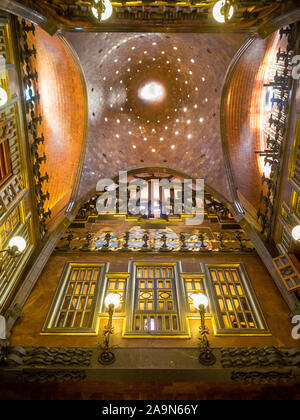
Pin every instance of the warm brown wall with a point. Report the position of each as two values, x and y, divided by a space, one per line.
63 108
112 113
243 117
27 330
148 390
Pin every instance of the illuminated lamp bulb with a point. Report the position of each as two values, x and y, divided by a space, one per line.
112 299
3 97
102 9
199 299
219 11
17 242
296 233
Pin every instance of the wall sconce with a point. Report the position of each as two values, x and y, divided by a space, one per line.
107 357
206 357
296 233
101 9
223 11
15 247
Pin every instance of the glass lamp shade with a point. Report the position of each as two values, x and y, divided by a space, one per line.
218 11
199 299
18 242
296 233
3 97
112 299
106 14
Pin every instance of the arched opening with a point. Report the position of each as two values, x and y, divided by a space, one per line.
154 209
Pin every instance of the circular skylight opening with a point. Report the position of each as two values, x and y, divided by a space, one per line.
152 92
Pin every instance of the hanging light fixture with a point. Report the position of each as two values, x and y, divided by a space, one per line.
101 9
223 11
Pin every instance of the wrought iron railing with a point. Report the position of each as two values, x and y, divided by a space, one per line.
28 53
231 241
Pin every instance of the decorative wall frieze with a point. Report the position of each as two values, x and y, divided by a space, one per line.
58 356
11 355
258 378
239 357
45 376
47 356
259 357
267 365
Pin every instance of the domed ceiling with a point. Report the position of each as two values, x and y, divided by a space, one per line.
60 95
154 101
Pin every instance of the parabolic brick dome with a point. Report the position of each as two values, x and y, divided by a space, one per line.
154 101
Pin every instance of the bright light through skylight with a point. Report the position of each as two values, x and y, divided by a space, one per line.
152 92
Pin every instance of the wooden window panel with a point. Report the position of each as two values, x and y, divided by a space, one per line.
5 162
154 306
75 307
233 301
